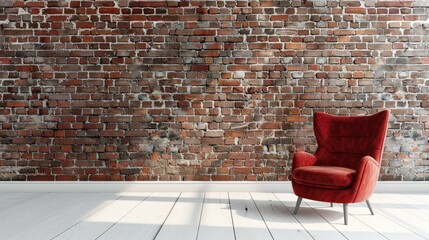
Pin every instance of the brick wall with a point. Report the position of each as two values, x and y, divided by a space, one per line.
204 90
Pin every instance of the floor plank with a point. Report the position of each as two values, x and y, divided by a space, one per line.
385 226
46 216
80 210
415 208
145 220
9 199
184 219
419 201
281 223
248 223
334 215
216 220
316 225
400 215
96 224
423 198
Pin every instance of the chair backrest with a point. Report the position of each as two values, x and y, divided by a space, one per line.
343 141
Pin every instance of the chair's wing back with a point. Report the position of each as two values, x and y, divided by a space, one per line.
343 141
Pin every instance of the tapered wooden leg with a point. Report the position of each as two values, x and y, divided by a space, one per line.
298 202
369 206
346 213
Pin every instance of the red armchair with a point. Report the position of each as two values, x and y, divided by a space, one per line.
346 164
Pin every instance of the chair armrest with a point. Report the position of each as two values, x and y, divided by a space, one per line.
302 159
367 173
362 165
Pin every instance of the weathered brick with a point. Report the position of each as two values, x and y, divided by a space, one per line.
272 125
147 4
356 10
110 10
241 170
238 155
207 32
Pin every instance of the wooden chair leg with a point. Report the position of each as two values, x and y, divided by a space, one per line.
298 202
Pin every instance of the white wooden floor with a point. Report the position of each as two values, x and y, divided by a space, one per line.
211 215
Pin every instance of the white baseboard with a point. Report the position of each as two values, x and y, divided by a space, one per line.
167 186
402 187
285 187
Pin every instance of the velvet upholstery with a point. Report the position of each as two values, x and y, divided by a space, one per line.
346 164
324 177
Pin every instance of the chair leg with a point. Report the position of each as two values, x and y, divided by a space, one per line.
346 214
332 204
369 206
298 202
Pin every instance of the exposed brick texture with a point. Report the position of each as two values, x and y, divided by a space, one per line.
204 90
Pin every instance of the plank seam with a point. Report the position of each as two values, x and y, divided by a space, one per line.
424 219
326 220
86 217
123 216
201 214
369 226
293 215
159 230
232 219
22 201
263 219
399 223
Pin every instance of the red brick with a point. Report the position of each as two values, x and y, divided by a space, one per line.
41 178
74 4
262 170
297 119
53 11
238 155
66 178
356 10
27 68
273 125
298 46
200 67
213 141
279 17
4 60
57 18
17 104
148 4
235 133
222 178
35 4
85 24
109 10
241 170
209 54
100 178
205 32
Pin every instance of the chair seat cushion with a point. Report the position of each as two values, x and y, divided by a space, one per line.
324 176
